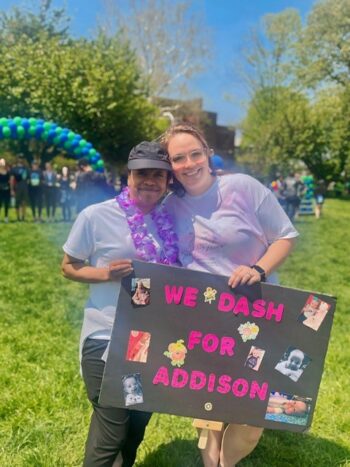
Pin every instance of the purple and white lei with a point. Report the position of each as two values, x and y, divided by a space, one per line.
144 244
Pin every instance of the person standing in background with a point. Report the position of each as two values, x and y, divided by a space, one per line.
19 186
65 194
50 191
35 191
5 190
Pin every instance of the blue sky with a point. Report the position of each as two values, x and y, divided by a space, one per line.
230 22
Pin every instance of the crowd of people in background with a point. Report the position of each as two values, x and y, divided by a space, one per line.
44 189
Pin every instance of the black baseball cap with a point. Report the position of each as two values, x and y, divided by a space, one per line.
148 155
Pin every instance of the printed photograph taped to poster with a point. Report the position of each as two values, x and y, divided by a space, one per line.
287 408
141 291
138 346
200 344
254 358
293 363
314 312
132 389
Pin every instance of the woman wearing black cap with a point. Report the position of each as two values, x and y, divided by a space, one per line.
99 250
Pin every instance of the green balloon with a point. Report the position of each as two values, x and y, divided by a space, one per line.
6 132
67 145
94 166
3 121
20 131
44 135
58 130
32 130
17 120
47 125
32 121
100 163
56 140
77 151
92 152
71 135
82 143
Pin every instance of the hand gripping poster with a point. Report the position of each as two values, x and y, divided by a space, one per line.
185 343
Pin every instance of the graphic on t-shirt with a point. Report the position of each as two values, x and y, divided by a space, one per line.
248 331
293 363
132 389
209 295
287 408
138 346
254 358
34 179
141 291
314 312
176 352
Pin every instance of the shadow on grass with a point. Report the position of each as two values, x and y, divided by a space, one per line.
276 449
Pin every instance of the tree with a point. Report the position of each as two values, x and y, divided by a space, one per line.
93 87
270 56
323 49
48 21
170 41
279 133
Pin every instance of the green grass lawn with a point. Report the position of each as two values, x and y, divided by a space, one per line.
44 413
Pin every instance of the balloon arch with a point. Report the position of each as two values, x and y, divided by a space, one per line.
75 145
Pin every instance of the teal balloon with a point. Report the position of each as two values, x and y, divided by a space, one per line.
82 142
100 163
92 152
44 135
71 135
56 140
67 145
77 151
6 132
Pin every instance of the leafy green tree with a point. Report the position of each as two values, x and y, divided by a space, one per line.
93 87
323 50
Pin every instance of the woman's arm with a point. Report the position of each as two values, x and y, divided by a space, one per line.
80 271
274 257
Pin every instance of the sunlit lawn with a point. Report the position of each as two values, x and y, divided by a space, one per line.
44 413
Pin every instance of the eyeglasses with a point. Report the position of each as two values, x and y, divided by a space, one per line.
195 156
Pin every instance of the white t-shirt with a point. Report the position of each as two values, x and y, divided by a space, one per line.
231 224
100 235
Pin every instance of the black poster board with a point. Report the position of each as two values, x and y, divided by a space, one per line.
185 343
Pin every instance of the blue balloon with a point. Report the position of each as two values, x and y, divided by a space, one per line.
88 145
85 151
39 130
1 134
93 159
52 134
100 169
63 138
25 123
74 143
40 121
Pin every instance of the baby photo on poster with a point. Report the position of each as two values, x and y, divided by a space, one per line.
140 291
293 363
132 388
